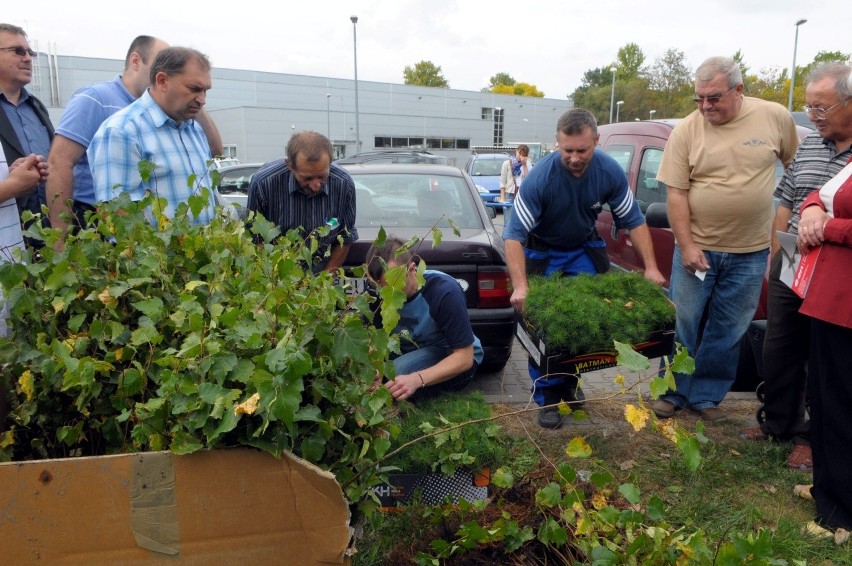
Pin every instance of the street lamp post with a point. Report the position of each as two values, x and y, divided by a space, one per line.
612 95
354 20
525 128
618 109
328 113
651 114
793 70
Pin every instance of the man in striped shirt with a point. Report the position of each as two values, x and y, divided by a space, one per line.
820 157
305 191
159 127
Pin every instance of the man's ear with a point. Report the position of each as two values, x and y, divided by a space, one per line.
161 80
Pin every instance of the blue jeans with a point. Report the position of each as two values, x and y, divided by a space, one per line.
572 262
507 212
426 357
730 292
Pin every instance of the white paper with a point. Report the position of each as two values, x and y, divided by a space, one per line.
790 257
701 274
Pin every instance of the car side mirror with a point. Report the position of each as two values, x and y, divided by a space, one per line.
657 215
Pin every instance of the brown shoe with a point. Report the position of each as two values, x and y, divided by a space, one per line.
801 458
712 414
753 433
663 409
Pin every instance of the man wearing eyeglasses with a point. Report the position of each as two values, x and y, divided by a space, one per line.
25 127
306 192
719 167
821 156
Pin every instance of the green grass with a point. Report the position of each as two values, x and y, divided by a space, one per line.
741 486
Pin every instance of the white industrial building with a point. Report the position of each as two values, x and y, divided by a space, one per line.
257 112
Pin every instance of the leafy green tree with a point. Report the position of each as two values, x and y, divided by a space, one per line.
425 73
671 78
629 62
500 79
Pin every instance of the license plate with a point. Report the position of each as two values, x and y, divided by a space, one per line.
354 285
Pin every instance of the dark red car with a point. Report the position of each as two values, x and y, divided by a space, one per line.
638 148
409 200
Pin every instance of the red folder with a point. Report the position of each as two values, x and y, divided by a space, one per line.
805 271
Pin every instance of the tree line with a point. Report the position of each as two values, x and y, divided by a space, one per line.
666 86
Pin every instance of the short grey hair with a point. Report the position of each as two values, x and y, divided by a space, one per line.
841 73
575 121
15 30
713 66
312 145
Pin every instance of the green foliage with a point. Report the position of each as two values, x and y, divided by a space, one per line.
586 313
184 337
474 446
424 73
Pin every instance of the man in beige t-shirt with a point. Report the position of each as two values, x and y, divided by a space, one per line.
719 167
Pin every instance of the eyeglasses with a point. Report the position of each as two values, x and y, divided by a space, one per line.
20 51
711 99
822 113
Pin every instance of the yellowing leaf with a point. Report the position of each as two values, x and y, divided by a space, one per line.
578 448
192 285
629 305
249 406
599 501
105 298
636 416
619 379
58 305
667 428
7 439
27 384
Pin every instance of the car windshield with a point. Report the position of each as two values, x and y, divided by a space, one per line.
236 181
414 200
487 167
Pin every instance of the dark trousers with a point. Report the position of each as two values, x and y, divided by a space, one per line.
785 356
830 398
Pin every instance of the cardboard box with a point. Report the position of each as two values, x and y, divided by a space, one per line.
550 361
239 506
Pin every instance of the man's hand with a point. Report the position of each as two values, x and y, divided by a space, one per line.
519 300
404 386
693 259
654 275
24 175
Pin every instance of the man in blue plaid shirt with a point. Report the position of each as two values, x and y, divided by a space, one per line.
159 127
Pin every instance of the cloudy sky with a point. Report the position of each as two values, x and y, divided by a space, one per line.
548 43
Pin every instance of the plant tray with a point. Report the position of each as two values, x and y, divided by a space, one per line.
433 488
658 343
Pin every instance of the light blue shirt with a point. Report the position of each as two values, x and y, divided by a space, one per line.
144 131
86 111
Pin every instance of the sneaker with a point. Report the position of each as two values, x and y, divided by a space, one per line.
801 458
712 414
548 416
753 433
663 409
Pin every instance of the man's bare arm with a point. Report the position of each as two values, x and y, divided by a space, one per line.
64 155
214 138
516 261
680 221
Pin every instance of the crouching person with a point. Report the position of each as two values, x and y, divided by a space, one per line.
439 350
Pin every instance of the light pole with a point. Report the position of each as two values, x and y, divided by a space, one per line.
525 128
612 96
354 20
618 109
328 113
793 70
651 114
